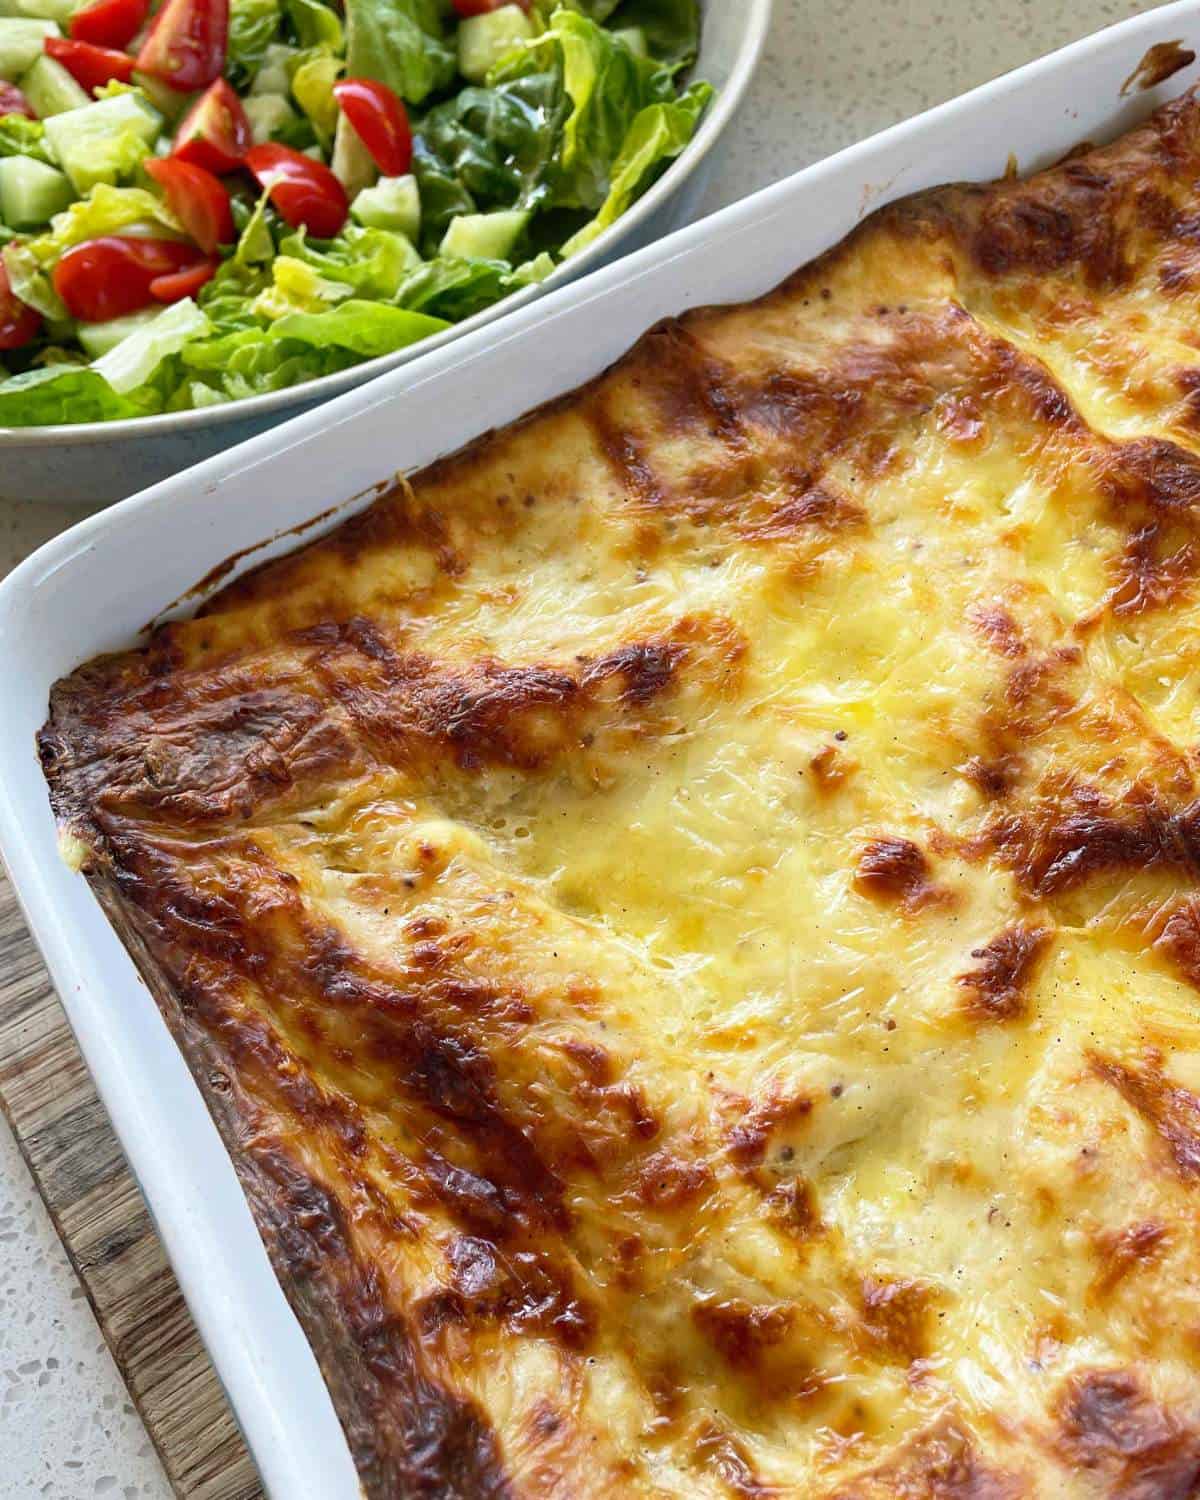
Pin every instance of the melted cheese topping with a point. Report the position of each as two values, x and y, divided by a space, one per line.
687 913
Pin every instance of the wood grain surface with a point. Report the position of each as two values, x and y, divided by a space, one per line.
61 1127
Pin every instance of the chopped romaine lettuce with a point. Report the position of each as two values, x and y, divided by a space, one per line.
658 134
488 148
595 10
63 393
228 299
372 262
133 361
316 25
22 137
454 287
251 363
256 241
253 27
671 28
400 43
313 78
365 328
29 281
296 287
106 210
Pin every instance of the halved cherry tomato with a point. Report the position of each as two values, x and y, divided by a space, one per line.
481 7
304 191
18 323
380 119
112 275
90 67
14 102
180 284
196 198
187 43
215 133
109 23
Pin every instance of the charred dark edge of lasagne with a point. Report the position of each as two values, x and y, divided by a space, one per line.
409 1436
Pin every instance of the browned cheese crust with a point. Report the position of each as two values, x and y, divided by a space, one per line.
687 913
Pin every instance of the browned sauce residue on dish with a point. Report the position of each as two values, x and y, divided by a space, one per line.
1160 62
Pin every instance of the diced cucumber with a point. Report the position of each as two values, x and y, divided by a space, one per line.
634 38
393 203
352 164
170 103
21 43
58 11
486 236
274 77
105 140
267 114
50 89
483 40
31 193
99 338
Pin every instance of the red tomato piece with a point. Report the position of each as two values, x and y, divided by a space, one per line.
215 133
196 198
180 284
14 102
90 67
109 23
304 191
481 7
187 43
112 275
380 119
18 323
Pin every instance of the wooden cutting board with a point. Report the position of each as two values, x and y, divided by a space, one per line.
63 1132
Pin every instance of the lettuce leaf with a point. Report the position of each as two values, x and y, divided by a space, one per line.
106 210
253 26
296 287
671 27
64 393
455 287
131 363
606 86
251 363
313 79
31 284
488 148
367 329
228 299
658 134
400 43
372 262
316 25
595 10
22 137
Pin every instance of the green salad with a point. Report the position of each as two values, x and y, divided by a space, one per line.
208 200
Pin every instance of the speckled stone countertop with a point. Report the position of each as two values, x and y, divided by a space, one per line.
830 76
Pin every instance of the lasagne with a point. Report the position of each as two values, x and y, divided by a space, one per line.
687 912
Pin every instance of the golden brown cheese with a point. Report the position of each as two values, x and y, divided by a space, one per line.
688 913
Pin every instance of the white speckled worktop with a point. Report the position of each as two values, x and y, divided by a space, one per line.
831 75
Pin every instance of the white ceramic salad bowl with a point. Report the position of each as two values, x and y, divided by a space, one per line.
100 462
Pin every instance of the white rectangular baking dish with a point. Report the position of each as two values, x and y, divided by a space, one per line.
92 589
